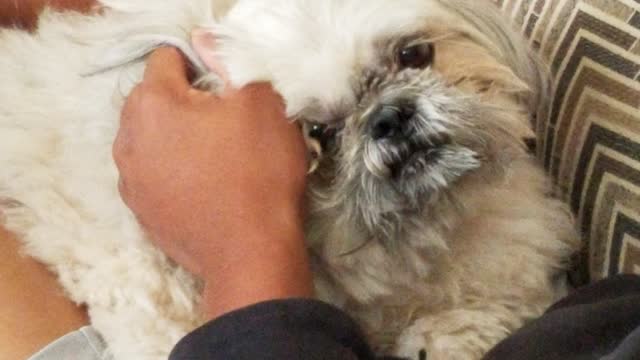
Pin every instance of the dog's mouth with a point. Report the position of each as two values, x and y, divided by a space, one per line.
415 155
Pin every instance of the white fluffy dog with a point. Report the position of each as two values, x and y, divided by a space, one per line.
431 224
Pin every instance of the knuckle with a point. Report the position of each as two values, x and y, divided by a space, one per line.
119 150
123 190
127 195
116 153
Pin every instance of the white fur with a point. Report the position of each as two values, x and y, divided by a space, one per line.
464 282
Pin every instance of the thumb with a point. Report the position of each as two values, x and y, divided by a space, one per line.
204 43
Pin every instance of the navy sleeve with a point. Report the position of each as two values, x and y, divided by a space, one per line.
601 321
598 322
282 329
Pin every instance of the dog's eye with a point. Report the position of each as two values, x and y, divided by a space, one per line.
416 56
323 133
316 131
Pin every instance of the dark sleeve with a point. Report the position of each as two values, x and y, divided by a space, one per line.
599 322
283 329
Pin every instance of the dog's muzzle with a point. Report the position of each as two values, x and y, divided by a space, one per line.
396 130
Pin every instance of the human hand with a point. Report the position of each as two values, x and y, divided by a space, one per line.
218 183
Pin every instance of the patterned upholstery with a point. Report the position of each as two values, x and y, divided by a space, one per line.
590 144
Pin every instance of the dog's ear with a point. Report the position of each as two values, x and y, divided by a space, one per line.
204 43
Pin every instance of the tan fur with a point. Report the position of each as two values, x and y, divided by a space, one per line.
491 259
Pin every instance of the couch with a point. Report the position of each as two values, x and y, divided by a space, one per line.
590 140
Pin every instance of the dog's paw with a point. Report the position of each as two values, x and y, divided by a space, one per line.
412 350
411 346
420 342
421 355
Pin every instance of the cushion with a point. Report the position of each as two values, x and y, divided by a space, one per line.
590 142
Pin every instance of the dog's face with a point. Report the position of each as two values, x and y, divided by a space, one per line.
401 100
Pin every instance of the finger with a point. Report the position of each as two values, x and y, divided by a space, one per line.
262 94
167 66
204 43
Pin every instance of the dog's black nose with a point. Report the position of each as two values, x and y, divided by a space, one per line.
388 122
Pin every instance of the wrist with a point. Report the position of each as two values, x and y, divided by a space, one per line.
275 267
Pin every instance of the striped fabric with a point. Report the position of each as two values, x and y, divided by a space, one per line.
590 143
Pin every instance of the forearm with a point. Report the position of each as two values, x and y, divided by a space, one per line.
24 13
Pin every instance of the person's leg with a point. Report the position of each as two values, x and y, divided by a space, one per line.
33 308
23 13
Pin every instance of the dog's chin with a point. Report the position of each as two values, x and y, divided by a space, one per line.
420 169
383 195
415 156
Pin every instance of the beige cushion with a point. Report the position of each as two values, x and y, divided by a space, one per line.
590 144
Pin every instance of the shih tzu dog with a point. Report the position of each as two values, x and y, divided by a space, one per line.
431 223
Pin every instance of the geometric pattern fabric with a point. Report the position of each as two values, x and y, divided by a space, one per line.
590 142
